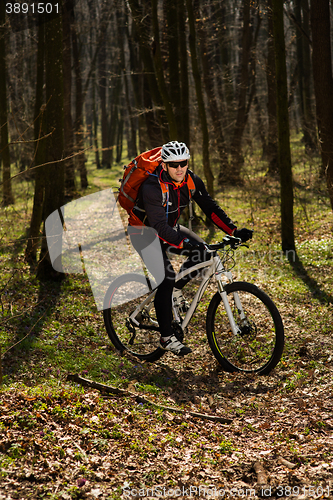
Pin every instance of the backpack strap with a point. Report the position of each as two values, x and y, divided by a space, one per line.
191 191
165 196
165 192
126 179
190 185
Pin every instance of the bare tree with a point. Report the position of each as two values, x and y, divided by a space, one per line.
287 196
208 68
301 10
242 108
142 17
192 11
54 172
323 84
68 19
39 154
8 198
184 77
271 151
131 135
160 74
79 100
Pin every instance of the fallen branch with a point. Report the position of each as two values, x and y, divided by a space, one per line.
141 399
261 474
286 463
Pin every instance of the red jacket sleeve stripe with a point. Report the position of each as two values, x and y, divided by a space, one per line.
221 224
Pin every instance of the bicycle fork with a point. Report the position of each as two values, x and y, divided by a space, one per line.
236 330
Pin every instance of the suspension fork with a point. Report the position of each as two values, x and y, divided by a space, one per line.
234 327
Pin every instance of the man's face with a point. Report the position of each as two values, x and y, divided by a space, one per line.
176 169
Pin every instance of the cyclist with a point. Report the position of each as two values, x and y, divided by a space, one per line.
150 210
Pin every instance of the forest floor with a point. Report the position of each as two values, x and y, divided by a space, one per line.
61 440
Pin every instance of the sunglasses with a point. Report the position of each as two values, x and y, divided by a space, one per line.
176 164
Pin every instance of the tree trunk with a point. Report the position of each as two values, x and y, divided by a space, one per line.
309 114
173 49
192 15
131 135
225 39
132 127
132 149
303 69
102 84
67 17
39 131
271 152
261 125
95 124
184 119
8 198
55 171
114 104
120 134
323 85
78 125
287 196
160 74
237 159
137 88
152 123
208 78
142 22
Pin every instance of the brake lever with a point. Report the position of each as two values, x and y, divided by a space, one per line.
234 243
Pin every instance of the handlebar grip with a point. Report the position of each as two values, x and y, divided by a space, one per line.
227 240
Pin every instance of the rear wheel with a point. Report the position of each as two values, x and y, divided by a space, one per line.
258 346
138 335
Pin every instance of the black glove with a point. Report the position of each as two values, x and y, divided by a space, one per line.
244 234
188 245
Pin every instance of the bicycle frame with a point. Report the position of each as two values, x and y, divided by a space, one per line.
214 266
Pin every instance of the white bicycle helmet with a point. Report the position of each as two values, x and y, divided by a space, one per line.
175 151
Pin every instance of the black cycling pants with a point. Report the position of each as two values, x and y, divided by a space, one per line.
163 297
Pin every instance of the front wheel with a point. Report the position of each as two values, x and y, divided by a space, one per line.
130 325
258 345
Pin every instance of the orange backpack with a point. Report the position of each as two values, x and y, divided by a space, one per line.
137 172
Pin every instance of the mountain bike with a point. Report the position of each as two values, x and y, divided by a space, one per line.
243 326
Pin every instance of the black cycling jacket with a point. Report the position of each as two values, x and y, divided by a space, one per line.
150 210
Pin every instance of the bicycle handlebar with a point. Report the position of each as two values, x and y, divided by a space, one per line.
232 241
